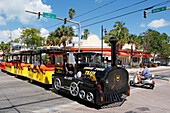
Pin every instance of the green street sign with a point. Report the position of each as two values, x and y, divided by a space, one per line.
159 9
49 15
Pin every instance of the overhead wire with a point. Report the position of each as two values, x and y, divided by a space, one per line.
95 9
114 11
162 3
85 13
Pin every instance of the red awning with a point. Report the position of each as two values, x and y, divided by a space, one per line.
123 54
137 55
120 54
107 53
144 55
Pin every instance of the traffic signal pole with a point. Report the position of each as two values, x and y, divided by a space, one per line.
78 23
155 11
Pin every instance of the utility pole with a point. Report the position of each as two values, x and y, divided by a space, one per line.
63 19
102 39
10 37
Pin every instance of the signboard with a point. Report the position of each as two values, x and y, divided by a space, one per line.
159 9
49 15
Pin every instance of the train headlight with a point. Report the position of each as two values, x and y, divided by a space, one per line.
79 74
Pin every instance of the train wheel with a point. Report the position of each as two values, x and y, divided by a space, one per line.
82 94
74 89
57 84
89 96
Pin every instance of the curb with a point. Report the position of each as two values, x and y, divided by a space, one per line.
151 69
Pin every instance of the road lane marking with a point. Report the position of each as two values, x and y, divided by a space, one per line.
160 72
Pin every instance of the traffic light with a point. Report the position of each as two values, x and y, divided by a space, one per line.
144 14
65 20
38 15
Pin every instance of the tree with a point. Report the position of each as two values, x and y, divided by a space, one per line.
132 40
145 39
86 33
120 32
52 40
5 47
30 37
152 42
71 13
60 36
164 50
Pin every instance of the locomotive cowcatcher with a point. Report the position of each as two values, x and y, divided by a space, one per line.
88 76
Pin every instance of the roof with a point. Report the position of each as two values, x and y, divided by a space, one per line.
49 49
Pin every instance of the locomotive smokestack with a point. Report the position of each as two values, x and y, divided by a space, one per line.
113 41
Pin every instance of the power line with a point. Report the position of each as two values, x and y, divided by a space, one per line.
86 12
95 9
162 3
114 11
101 14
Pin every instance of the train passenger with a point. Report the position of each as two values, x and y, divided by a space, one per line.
69 69
37 64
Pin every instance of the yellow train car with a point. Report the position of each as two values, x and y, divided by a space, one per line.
49 58
25 61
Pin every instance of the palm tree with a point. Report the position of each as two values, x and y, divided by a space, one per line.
52 39
86 33
120 32
132 39
63 41
71 13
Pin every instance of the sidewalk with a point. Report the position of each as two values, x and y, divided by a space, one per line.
133 70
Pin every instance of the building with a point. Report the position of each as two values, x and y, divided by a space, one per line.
93 44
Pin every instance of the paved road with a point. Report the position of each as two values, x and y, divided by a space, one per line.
17 95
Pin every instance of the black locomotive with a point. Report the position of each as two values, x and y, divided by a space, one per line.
90 78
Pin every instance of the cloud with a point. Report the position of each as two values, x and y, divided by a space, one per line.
5 34
142 25
2 21
74 28
158 23
15 9
44 32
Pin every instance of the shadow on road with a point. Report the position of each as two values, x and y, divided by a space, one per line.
139 109
162 77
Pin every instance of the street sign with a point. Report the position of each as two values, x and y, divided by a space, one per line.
159 9
49 15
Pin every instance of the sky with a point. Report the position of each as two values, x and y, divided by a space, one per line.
13 18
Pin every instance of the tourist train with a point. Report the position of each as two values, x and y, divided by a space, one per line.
86 75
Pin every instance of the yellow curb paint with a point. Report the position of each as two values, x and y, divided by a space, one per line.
169 80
